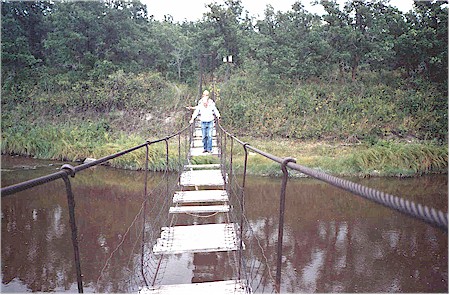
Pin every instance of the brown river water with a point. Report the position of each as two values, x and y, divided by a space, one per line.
334 241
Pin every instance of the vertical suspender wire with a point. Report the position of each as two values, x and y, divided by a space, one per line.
220 149
224 162
143 216
192 128
73 226
167 167
281 221
242 211
157 270
231 158
179 149
186 144
167 193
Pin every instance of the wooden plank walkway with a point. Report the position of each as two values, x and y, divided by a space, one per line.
200 196
200 209
197 142
196 238
202 178
209 288
202 166
203 238
198 151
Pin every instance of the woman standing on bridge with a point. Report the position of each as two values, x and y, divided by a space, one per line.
207 109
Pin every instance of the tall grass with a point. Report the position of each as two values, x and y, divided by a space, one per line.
124 109
386 158
74 143
90 140
401 159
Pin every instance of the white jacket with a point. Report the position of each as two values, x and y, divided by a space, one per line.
206 113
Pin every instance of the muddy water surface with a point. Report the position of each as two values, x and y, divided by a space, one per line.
334 241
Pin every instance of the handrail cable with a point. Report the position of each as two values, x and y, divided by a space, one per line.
430 215
70 170
67 170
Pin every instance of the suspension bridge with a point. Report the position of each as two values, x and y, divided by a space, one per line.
211 199
203 191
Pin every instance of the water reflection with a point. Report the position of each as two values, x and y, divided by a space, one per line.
334 241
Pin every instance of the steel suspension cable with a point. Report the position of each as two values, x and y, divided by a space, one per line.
430 215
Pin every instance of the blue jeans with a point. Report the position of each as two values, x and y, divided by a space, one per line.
207 128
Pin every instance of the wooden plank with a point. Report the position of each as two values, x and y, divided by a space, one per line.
202 166
198 151
197 142
200 196
200 209
201 178
196 238
208 288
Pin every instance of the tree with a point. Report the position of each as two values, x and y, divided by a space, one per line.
423 48
364 32
264 44
23 30
229 26
24 23
75 39
173 45
300 32
338 34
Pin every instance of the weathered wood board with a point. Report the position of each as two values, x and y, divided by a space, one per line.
196 239
200 196
202 178
219 287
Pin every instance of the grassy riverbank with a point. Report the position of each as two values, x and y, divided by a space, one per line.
94 140
379 107
372 127
385 158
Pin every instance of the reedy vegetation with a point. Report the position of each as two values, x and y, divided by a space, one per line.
112 78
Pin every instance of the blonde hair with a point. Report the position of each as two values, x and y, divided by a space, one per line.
206 92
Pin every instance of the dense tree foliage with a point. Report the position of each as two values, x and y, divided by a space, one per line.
49 47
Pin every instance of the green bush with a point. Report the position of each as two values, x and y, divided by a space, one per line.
366 110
